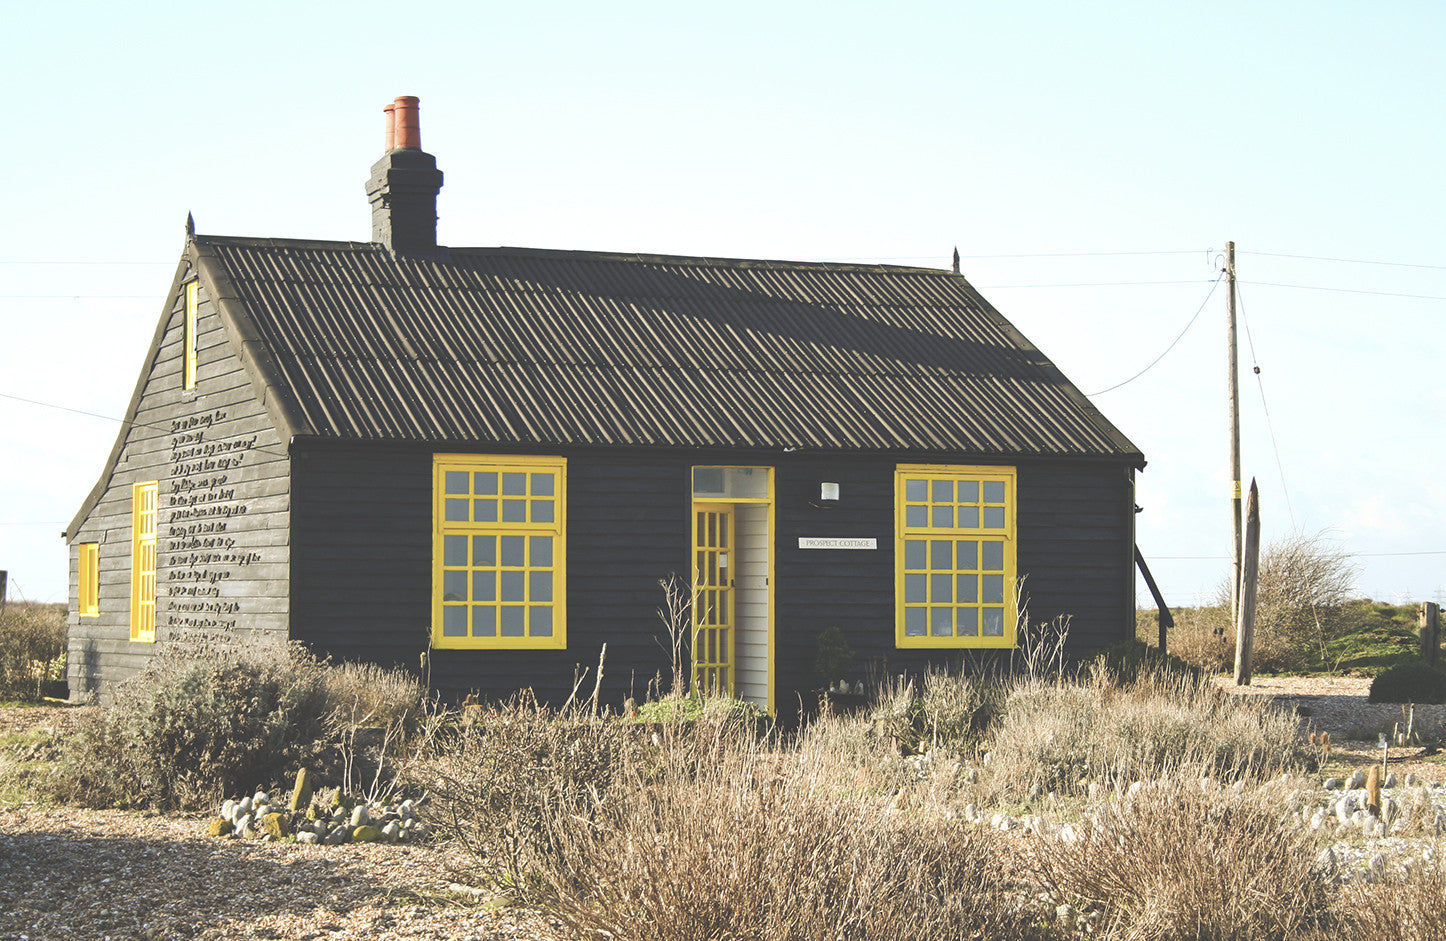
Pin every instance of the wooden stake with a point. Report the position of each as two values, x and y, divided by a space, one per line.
1429 619
1245 627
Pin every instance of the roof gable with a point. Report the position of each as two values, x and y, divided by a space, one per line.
530 347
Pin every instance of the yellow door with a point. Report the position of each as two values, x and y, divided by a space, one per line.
713 611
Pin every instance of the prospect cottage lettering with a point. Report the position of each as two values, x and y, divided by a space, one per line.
198 507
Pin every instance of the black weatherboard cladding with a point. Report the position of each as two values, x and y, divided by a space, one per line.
526 347
361 571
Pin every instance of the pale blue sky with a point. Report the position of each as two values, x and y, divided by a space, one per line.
813 131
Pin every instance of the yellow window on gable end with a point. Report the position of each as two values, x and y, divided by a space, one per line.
955 556
188 380
143 563
499 551
88 576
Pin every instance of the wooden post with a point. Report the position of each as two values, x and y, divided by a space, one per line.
1235 546
1245 628
4 578
1429 619
1166 620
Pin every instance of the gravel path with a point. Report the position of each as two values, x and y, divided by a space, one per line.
78 874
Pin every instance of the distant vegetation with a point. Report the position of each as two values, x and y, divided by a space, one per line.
32 649
1360 636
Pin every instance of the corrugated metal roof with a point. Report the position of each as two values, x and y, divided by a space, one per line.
522 346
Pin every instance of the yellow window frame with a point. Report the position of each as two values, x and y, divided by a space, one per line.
527 590
88 580
969 584
188 375
144 511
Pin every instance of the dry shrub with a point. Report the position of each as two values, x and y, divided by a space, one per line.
1412 905
1179 861
942 709
496 774
1058 736
755 843
32 640
199 723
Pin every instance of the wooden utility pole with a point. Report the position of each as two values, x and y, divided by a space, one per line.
1234 438
4 575
1245 627
1429 618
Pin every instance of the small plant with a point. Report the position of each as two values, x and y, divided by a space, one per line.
1410 682
834 658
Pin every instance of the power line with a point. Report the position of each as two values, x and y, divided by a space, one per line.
122 421
1347 261
1269 424
1177 339
1316 287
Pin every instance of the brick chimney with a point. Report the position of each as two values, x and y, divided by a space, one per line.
404 184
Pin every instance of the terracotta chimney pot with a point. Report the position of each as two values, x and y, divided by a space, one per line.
391 129
408 124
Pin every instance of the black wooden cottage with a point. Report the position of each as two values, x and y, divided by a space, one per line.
491 456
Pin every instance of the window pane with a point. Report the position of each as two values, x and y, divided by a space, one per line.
914 587
993 557
916 516
514 511
914 619
540 621
484 511
968 517
968 622
941 589
514 485
941 622
457 511
541 550
485 483
943 491
916 491
514 586
993 491
542 485
484 586
454 586
968 491
968 555
941 554
914 554
456 481
993 588
484 620
540 586
513 548
484 550
994 517
512 620
942 517
993 622
968 588
542 511
707 481
454 620
454 550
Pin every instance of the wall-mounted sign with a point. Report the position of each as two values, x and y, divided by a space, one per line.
824 542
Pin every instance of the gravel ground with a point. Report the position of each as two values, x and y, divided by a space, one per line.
68 873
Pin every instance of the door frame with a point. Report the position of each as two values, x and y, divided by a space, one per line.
733 501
